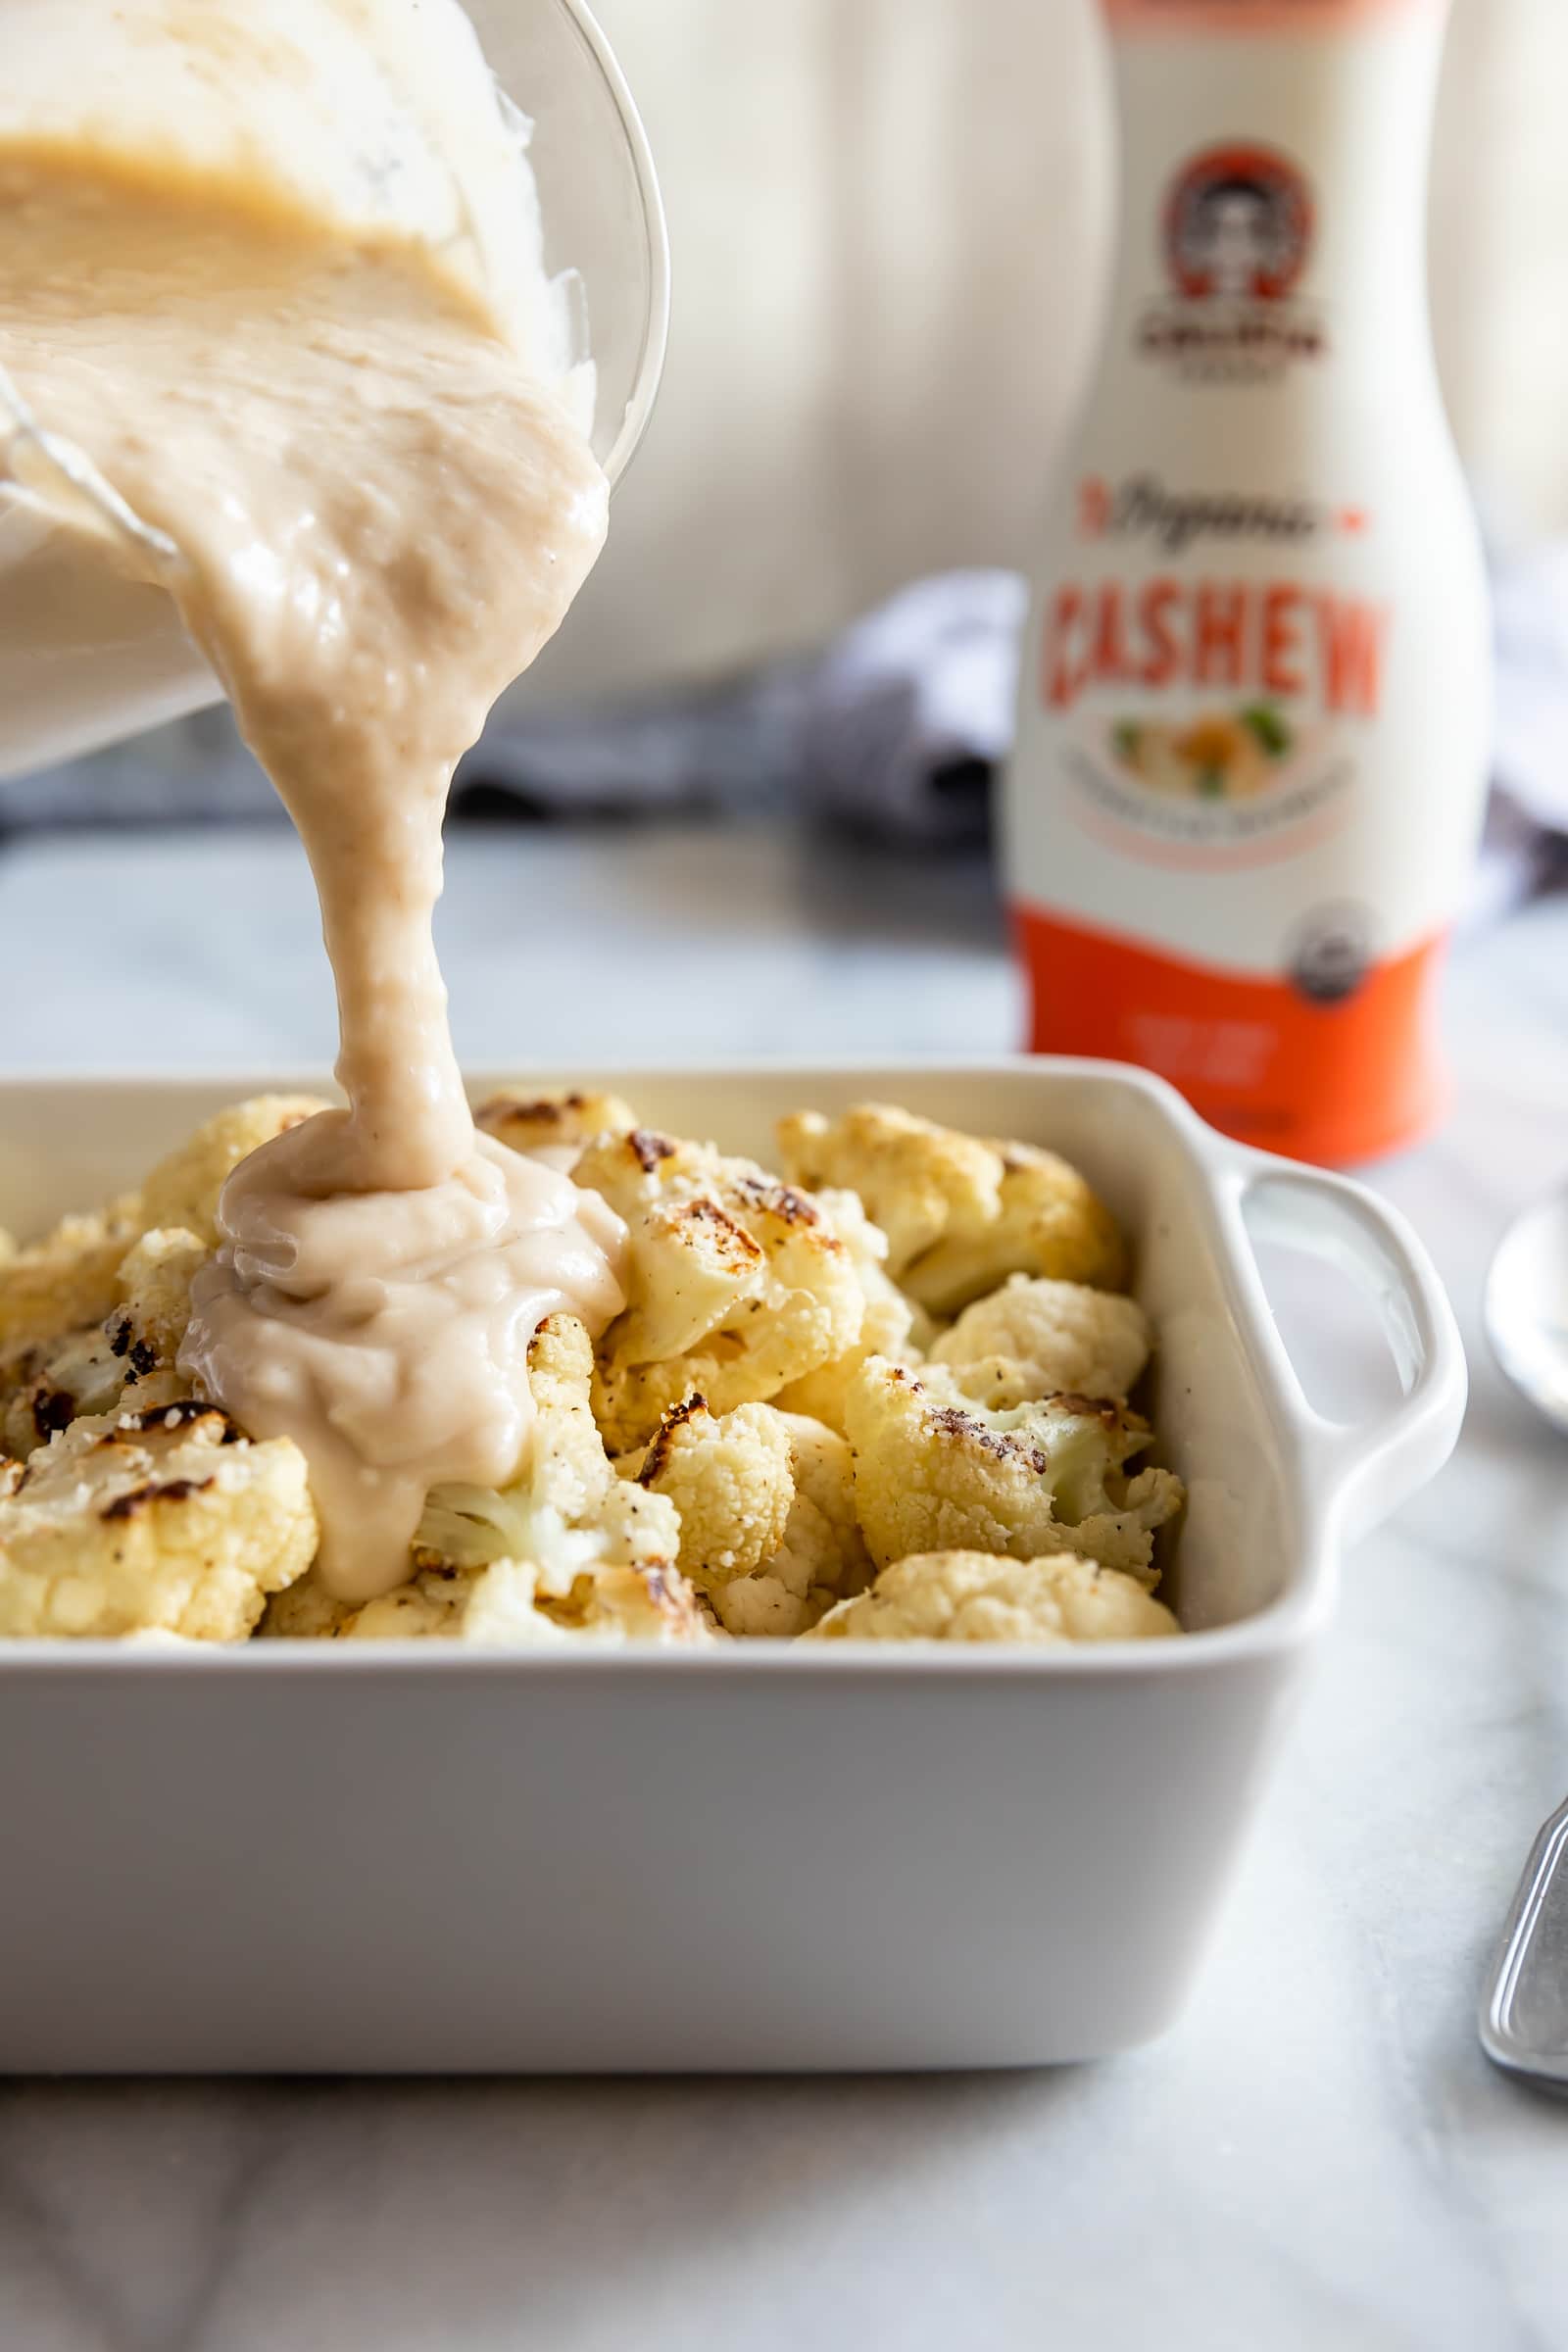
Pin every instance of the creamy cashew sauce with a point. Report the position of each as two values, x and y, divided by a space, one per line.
375 519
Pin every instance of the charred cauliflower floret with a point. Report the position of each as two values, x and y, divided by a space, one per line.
1043 1338
934 1471
183 1189
46 1387
736 1284
730 1479
169 1521
125 1364
146 1326
892 1325
67 1280
974 1596
961 1213
553 1121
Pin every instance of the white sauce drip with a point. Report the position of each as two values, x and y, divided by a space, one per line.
394 1328
381 517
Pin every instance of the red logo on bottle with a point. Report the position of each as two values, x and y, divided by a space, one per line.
1238 225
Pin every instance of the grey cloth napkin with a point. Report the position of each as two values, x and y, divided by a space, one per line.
895 729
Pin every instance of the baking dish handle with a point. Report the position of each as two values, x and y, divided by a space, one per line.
1364 1471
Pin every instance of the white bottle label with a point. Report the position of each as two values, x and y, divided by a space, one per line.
1251 746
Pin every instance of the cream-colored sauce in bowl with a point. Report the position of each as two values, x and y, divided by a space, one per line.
380 516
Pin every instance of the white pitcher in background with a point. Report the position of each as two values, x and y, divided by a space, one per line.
383 123
1252 747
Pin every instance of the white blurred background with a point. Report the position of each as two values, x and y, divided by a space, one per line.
890 223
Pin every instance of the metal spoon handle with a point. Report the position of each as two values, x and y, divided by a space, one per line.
1524 2010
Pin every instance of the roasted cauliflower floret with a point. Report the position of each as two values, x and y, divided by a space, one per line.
434 1608
431 1606
768 1533
961 1213
914 1179
569 1549
974 1596
632 1604
822 1555
146 1326
892 1325
934 1471
567 1513
46 1387
1043 1338
306 1611
731 1480
122 1364
183 1189
168 1522
557 1121
500 1607
736 1284
67 1280
1051 1224
569 1471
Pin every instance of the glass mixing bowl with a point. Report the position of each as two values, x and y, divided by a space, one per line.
88 656
604 223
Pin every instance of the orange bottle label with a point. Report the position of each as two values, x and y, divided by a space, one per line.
1296 1066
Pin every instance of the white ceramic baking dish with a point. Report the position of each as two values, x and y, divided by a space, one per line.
310 1859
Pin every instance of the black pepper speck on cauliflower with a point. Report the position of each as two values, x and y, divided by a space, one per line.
960 1213
736 1284
170 1520
934 1472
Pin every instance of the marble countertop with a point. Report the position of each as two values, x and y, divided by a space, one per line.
1319 2155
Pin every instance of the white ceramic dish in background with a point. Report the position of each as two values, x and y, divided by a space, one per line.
302 1859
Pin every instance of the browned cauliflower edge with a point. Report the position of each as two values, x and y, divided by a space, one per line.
768 1533
169 1521
124 1363
736 1284
960 1213
936 1472
552 1120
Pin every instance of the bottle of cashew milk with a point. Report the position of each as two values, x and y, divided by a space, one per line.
1251 754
